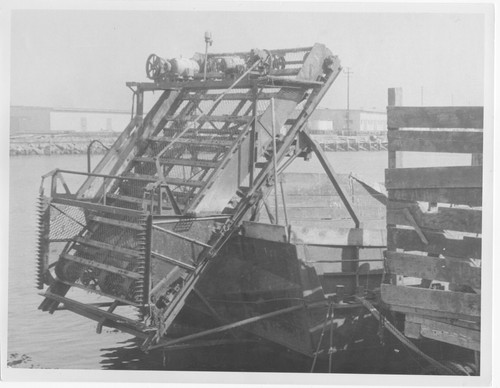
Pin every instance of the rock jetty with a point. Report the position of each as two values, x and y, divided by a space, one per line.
61 143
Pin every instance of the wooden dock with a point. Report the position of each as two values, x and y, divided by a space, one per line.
434 225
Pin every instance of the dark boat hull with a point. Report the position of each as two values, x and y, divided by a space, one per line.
254 277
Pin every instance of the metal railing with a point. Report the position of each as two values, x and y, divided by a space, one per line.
57 175
89 148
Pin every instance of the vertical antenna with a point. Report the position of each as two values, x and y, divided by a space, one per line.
208 42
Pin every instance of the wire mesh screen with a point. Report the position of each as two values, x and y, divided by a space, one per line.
65 221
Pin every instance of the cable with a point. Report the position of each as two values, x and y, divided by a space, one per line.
330 306
330 350
405 341
258 302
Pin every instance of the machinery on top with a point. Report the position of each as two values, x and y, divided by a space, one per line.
214 66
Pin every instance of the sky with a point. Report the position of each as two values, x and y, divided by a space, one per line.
83 58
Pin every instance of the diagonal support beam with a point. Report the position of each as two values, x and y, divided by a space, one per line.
102 321
229 326
181 236
332 176
376 190
212 310
195 121
415 225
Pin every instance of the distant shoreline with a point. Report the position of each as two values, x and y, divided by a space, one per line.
77 143
60 143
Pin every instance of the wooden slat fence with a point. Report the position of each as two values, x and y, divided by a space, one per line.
434 223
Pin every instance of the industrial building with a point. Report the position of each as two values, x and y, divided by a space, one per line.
360 120
34 119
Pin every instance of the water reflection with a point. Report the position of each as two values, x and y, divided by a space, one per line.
249 357
258 357
128 356
66 340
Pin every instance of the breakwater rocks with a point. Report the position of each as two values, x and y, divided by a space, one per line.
61 143
78 143
338 143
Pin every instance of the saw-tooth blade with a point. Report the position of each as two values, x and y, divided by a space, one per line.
42 250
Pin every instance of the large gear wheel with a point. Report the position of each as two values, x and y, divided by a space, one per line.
154 67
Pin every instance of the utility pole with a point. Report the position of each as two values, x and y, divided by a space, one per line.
348 71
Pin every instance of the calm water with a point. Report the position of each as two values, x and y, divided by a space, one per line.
62 340
66 340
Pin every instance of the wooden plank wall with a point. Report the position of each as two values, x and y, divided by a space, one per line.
434 223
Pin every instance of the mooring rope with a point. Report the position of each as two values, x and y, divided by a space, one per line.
330 349
330 307
401 337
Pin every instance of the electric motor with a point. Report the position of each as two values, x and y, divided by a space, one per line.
232 65
159 69
184 68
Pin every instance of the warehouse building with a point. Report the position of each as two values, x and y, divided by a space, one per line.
32 119
325 120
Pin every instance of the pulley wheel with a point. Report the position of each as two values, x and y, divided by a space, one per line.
153 66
